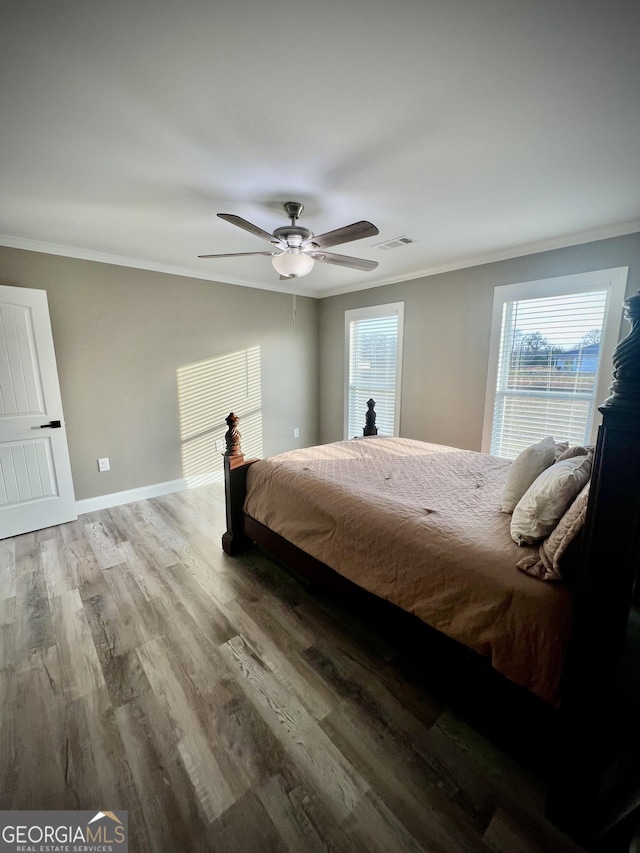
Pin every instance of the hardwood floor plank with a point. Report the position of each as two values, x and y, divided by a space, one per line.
80 670
72 531
26 553
58 578
7 632
83 567
103 546
148 574
245 827
111 636
7 568
299 680
311 806
207 778
139 619
8 747
153 719
198 662
144 540
211 620
212 789
255 750
264 686
166 827
34 629
40 738
96 766
290 819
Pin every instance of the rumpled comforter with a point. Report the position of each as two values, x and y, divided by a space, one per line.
420 525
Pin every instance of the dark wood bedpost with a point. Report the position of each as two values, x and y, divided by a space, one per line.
370 427
594 703
234 540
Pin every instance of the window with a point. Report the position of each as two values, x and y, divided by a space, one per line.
550 359
373 366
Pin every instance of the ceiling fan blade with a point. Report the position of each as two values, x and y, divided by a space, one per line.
240 254
248 226
355 231
343 261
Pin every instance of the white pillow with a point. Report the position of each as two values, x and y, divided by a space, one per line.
546 500
524 469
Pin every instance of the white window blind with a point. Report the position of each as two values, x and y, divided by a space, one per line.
550 351
373 347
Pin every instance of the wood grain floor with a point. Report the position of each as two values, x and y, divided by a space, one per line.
226 708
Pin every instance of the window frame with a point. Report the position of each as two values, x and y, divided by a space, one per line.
614 280
369 313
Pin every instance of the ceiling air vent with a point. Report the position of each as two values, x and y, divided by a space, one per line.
395 243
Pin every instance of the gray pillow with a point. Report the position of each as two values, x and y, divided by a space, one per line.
547 499
524 469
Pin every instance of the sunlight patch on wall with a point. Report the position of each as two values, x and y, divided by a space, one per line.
207 391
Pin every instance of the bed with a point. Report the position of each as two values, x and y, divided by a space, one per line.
420 526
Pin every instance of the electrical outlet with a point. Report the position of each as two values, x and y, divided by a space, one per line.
296 432
103 464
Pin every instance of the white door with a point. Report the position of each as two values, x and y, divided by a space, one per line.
36 489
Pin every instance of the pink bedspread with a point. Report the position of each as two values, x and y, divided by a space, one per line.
420 524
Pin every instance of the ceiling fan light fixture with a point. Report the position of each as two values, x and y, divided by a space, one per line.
292 262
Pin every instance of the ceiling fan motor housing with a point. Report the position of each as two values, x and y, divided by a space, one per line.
292 235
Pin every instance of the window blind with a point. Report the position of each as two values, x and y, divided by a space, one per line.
548 365
372 370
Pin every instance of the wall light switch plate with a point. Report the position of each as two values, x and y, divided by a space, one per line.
103 464
296 433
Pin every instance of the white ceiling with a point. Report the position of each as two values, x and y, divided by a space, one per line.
481 129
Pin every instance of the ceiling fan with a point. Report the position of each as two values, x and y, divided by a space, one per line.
296 248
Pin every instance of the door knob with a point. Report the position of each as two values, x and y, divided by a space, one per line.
51 425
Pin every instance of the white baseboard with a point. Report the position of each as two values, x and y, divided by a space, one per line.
144 492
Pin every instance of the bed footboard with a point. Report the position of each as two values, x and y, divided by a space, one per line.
235 539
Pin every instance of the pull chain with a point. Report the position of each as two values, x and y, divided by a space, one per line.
294 301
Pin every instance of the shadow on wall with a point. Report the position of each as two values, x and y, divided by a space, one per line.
207 391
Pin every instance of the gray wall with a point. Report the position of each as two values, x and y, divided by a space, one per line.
124 336
446 338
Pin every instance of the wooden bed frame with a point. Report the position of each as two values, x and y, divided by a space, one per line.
594 780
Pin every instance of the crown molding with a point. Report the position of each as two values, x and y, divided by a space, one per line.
576 239
619 230
135 263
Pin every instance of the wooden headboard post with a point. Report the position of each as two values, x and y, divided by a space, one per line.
234 540
593 686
